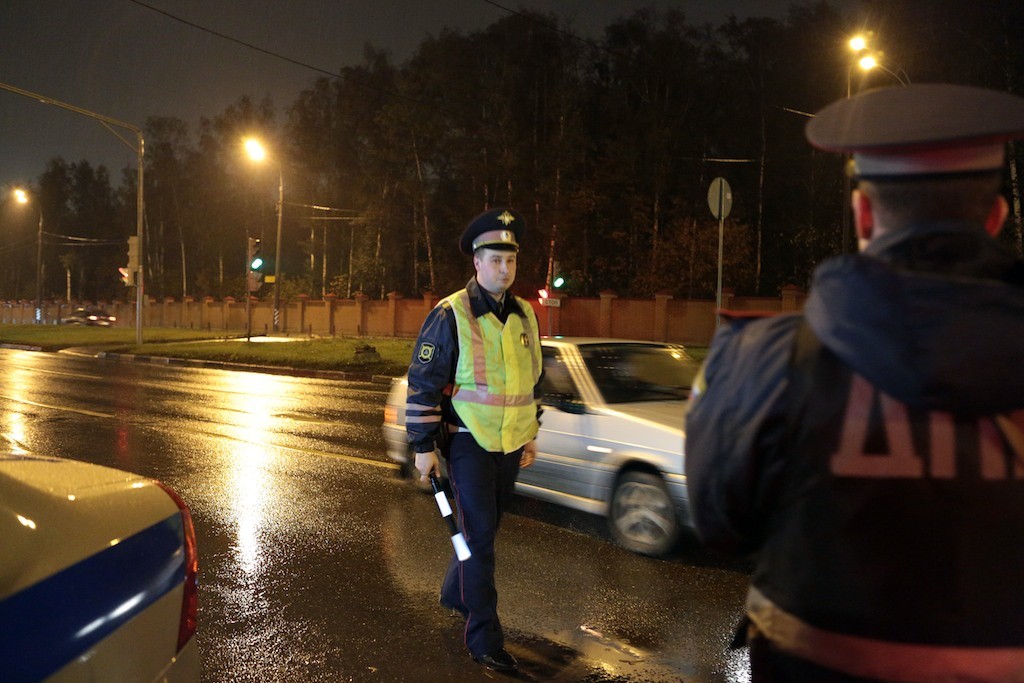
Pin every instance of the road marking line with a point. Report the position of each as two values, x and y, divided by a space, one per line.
52 407
60 373
326 454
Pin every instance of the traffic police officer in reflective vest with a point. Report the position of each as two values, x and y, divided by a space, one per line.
871 450
473 394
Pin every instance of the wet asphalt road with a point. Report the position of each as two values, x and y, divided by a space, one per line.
318 564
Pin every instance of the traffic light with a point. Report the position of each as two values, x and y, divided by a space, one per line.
133 253
128 272
254 274
254 258
557 276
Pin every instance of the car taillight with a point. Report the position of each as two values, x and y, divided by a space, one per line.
390 414
190 601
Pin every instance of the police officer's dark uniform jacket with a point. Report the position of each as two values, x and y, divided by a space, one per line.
485 419
432 372
871 451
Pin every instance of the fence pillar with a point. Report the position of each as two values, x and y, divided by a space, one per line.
225 312
789 296
661 300
302 312
605 317
428 303
393 298
164 316
361 300
330 299
728 294
186 311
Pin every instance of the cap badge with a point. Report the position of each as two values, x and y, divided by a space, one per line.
524 339
506 236
506 218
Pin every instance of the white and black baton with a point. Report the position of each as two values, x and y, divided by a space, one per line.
458 541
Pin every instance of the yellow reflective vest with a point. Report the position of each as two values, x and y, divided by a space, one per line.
497 370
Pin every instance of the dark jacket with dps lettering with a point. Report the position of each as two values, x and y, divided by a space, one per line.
871 451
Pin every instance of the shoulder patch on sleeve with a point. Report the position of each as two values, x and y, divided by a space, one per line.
426 352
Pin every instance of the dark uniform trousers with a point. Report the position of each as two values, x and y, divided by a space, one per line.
483 483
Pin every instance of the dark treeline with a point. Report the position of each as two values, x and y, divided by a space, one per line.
608 146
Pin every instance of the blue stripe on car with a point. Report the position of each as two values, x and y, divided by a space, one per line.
52 622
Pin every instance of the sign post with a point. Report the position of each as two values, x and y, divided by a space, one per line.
720 203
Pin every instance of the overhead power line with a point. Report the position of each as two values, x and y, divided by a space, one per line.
271 53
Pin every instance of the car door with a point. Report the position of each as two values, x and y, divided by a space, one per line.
559 452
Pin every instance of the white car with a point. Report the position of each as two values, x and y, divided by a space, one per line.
611 437
98 573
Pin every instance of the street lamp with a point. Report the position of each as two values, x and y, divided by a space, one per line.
21 196
870 61
866 60
256 152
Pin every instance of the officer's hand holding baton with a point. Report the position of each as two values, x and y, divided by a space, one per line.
427 463
429 467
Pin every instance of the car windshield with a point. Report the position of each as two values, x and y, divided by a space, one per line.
627 373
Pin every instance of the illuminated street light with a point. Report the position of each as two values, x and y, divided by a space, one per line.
869 62
258 153
255 150
866 60
22 197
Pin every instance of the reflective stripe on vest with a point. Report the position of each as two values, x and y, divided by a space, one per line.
498 367
881 659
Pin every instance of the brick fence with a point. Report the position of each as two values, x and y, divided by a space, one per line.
660 318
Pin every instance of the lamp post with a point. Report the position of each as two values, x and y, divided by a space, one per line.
139 150
21 196
257 152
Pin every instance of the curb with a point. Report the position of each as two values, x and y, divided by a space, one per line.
21 347
246 367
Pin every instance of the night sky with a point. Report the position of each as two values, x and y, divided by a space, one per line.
128 62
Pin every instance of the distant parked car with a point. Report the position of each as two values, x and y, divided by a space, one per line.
611 438
89 316
97 574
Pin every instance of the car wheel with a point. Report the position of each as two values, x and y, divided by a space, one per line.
642 516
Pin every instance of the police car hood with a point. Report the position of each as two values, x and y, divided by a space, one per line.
929 340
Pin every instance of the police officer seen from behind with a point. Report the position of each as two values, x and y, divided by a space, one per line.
871 450
473 385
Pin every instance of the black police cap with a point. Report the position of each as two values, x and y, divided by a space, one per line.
496 229
920 129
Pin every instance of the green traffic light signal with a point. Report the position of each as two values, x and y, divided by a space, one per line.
255 245
558 282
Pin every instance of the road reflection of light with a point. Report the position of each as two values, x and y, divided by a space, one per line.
256 401
17 383
14 430
737 666
248 483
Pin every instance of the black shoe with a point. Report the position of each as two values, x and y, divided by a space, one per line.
498 661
